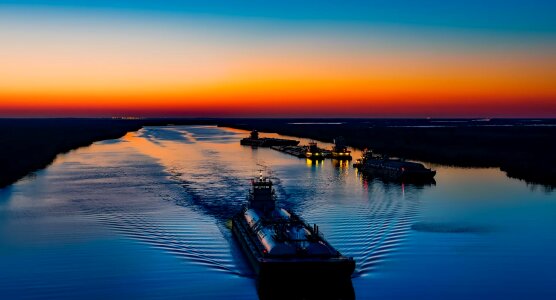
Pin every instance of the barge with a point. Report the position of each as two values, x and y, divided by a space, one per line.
340 150
297 151
278 243
393 169
314 152
256 141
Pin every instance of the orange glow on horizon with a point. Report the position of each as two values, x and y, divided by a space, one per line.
75 71
346 96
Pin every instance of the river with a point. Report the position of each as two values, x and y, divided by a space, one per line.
147 216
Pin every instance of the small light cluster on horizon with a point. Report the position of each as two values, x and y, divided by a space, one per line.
127 118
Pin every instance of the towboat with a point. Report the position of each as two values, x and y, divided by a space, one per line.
279 243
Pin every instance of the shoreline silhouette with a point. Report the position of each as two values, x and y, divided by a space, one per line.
523 148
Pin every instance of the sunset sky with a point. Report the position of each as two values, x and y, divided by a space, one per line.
278 58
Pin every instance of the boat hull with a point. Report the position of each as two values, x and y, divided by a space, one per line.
268 142
296 151
397 175
339 156
315 157
307 288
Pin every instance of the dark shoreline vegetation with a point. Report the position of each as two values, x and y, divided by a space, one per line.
524 149
28 145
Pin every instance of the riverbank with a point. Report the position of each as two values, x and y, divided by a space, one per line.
524 149
28 145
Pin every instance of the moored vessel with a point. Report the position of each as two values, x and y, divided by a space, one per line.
314 152
255 140
277 242
393 168
297 151
340 150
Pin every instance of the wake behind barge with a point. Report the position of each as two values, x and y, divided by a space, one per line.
279 243
255 140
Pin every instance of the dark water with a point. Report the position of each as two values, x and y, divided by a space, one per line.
146 216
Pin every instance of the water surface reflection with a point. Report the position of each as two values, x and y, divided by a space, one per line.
145 216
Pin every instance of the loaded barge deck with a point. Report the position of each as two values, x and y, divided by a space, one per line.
255 141
394 169
279 243
313 152
297 151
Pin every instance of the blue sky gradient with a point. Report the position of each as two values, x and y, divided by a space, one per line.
510 15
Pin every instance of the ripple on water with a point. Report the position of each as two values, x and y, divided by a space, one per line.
174 189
